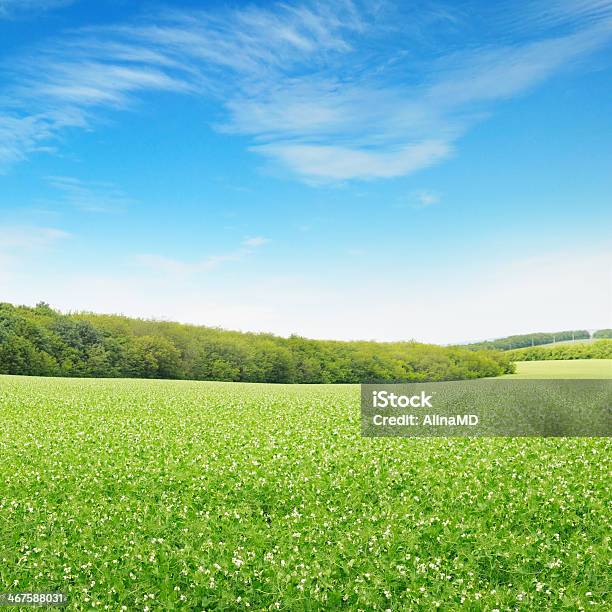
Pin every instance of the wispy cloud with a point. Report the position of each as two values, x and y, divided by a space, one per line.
418 199
255 241
20 245
340 163
19 8
91 196
544 14
24 134
424 198
329 92
177 267
15 239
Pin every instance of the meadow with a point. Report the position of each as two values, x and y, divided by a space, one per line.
563 368
598 349
163 495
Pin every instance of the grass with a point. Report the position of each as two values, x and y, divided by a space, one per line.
563 368
173 495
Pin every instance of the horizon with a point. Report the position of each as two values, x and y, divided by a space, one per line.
245 331
438 172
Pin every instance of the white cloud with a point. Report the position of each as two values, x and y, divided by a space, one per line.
494 73
546 14
26 238
424 198
22 135
92 196
92 83
255 241
17 8
315 86
168 265
21 248
341 163
176 267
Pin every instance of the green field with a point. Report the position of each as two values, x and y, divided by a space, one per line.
164 495
568 368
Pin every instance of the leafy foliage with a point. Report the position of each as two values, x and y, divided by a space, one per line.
41 341
524 340
603 333
600 349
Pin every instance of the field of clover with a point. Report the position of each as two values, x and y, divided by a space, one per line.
164 495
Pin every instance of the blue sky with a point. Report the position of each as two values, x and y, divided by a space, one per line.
376 170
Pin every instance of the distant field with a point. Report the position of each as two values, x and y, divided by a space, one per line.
563 368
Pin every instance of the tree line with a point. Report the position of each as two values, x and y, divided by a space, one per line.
603 333
599 349
524 340
41 341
